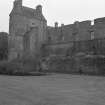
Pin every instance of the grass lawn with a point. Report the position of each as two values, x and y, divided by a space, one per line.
56 89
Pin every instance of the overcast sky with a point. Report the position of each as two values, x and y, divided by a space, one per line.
63 11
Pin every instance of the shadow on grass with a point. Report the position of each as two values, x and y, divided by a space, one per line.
25 74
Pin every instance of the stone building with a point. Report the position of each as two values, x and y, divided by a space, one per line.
79 37
27 30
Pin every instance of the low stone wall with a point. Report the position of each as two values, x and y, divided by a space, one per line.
84 65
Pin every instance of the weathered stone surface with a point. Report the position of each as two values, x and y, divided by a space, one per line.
29 32
24 22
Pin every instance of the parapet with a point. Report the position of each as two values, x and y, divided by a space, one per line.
85 23
99 20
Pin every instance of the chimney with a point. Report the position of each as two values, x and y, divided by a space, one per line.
56 24
62 25
76 24
17 3
39 9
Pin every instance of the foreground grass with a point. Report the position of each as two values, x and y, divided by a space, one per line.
55 89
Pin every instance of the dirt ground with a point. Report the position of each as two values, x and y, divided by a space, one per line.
56 89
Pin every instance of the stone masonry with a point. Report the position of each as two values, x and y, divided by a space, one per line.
28 31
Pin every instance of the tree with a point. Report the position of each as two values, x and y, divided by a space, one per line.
3 45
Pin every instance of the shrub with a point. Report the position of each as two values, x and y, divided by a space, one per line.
9 67
18 66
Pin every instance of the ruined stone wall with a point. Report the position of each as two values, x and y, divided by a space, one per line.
53 34
60 34
69 37
78 31
70 48
59 48
83 31
99 28
84 36
67 32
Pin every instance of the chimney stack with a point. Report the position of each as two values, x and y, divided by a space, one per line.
62 25
17 3
39 9
56 24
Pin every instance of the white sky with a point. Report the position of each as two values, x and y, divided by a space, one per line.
63 11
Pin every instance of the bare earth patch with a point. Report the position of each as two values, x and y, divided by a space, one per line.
57 89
